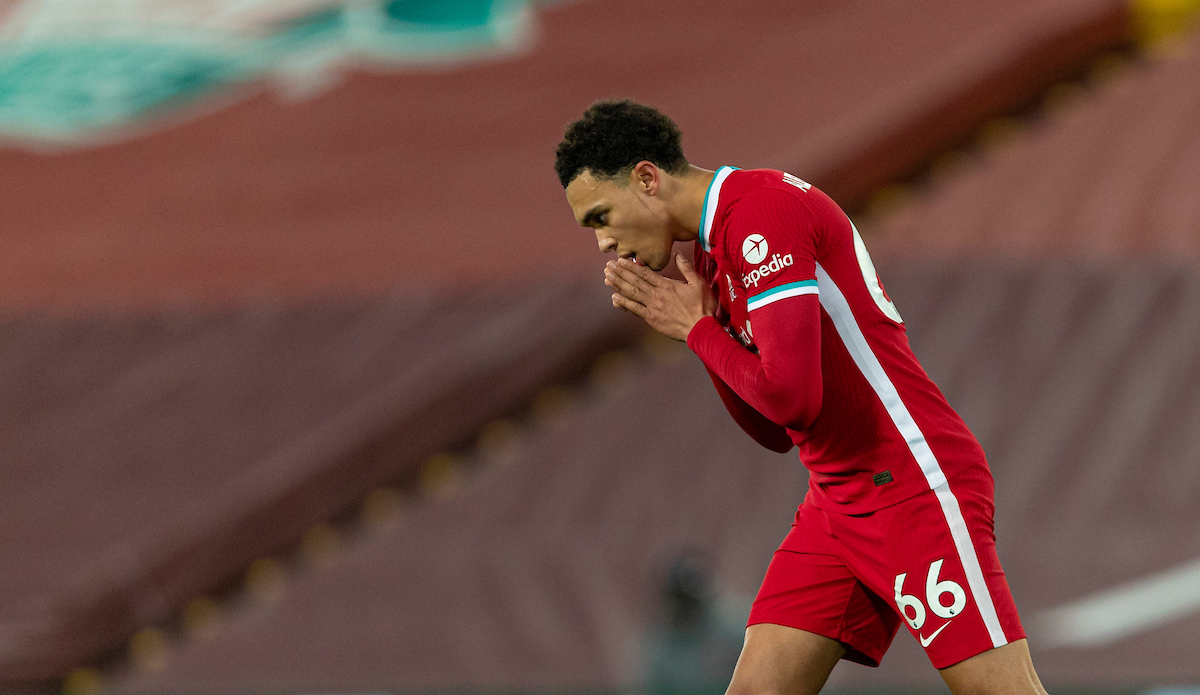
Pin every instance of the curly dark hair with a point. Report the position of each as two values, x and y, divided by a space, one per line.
613 136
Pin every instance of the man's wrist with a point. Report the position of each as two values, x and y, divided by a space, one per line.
700 329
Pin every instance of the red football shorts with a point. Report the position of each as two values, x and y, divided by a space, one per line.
929 562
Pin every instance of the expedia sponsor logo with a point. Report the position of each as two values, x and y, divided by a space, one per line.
761 272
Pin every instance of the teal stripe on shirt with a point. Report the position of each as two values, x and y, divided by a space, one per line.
794 289
782 288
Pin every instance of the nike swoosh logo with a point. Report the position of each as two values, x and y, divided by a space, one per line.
925 642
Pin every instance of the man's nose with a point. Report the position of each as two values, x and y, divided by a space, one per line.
606 243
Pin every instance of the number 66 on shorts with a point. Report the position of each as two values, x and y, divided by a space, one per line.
934 590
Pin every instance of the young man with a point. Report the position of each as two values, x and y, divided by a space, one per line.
783 306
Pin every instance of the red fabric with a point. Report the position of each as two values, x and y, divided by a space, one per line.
767 433
769 236
813 590
835 575
783 380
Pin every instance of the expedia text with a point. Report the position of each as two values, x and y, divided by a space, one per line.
761 272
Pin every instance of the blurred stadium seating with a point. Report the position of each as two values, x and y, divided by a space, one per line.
361 187
151 459
1113 177
231 316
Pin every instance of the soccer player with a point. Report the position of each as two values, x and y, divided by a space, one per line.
783 306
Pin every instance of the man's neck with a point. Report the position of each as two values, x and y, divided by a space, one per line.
687 206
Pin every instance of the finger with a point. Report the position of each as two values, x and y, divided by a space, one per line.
688 270
622 285
626 275
629 305
641 271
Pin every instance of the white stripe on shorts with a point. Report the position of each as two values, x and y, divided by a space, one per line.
839 311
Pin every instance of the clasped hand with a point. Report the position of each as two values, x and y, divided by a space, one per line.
668 306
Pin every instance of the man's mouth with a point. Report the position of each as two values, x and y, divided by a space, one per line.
633 257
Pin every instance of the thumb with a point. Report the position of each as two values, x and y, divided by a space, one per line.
688 270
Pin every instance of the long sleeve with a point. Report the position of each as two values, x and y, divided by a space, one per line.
783 381
754 423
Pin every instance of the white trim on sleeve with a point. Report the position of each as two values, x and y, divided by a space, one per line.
792 289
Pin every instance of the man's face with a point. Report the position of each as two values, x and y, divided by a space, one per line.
629 219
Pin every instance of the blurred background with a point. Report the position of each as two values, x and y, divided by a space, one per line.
309 382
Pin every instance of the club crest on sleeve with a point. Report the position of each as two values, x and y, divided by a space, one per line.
754 248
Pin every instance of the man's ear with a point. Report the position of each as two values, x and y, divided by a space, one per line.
645 177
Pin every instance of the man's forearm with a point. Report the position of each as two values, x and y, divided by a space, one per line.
762 430
782 381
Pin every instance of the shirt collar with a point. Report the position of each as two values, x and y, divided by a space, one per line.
712 198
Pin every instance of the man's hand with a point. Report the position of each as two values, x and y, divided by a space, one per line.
669 306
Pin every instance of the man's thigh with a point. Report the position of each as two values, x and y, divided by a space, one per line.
778 660
1006 670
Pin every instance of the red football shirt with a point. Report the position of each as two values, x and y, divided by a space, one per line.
807 348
